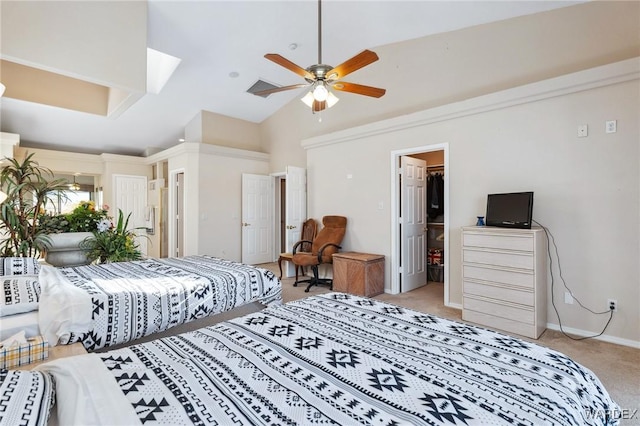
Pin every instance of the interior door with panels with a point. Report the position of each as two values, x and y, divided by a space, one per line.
257 219
130 196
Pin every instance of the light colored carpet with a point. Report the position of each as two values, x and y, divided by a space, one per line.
618 367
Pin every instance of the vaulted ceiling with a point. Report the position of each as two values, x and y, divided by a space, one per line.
221 45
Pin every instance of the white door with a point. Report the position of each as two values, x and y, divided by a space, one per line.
130 196
413 223
257 219
296 209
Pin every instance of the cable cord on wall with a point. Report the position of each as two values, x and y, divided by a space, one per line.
551 240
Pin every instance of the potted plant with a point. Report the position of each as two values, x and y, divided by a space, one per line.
68 231
111 243
29 187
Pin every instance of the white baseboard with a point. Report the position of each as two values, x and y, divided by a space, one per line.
604 337
453 305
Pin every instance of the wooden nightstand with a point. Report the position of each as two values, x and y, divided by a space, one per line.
57 352
361 274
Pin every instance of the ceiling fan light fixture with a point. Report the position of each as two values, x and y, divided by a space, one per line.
309 99
320 92
320 77
332 100
75 186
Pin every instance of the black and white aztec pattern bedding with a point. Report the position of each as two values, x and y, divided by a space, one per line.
107 304
20 293
26 397
19 266
341 359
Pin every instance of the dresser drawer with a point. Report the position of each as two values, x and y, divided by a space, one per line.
496 241
498 258
517 278
528 330
513 295
513 312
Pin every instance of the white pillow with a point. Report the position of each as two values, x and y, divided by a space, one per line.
19 266
27 396
19 294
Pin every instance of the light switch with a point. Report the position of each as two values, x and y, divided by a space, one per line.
611 126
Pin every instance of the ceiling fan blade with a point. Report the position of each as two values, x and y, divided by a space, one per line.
359 89
279 89
284 62
362 59
318 106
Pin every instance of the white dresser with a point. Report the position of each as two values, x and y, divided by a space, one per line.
504 274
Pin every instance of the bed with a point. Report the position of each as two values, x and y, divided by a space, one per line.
331 359
109 304
20 294
26 397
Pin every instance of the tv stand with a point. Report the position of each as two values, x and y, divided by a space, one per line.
504 278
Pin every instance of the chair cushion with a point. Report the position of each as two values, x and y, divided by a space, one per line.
286 255
305 259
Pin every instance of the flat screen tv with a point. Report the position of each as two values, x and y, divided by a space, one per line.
511 210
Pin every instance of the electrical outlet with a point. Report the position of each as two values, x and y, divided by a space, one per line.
583 131
613 305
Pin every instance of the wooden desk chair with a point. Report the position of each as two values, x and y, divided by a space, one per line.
309 230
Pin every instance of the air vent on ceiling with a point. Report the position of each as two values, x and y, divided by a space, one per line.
259 86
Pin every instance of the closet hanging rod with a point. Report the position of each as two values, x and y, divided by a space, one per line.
436 166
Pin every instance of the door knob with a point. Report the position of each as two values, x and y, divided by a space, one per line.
245 224
291 227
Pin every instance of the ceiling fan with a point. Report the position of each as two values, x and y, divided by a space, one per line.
75 186
321 77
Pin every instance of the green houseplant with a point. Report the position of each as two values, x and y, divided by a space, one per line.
29 188
67 231
85 217
113 243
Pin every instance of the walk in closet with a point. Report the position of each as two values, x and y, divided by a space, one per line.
435 214
435 223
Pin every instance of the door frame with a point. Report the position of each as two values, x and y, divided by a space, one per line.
171 213
277 213
395 222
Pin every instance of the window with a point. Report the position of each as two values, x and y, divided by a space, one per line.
67 200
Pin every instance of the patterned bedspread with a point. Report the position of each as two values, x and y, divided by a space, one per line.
341 359
107 304
26 397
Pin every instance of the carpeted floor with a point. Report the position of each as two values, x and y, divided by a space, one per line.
618 367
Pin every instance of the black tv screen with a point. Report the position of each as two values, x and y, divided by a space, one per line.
512 210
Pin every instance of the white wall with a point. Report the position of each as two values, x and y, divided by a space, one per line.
59 36
213 194
587 190
215 129
220 202
449 67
